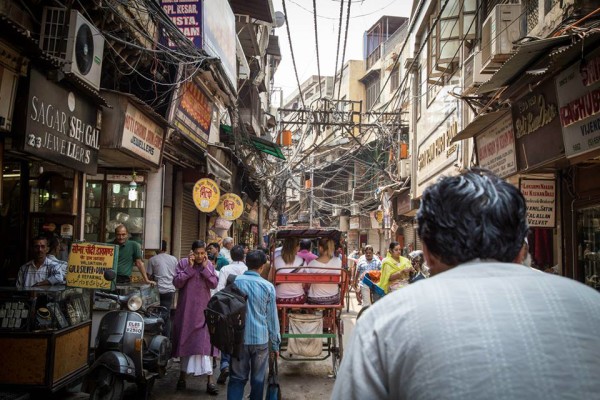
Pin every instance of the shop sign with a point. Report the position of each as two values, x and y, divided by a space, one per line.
437 152
87 263
220 36
193 114
540 197
141 135
187 16
206 195
61 126
355 222
496 148
230 206
403 204
537 127
578 92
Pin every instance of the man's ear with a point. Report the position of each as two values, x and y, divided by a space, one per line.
522 254
433 262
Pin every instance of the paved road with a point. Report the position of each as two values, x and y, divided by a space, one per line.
298 380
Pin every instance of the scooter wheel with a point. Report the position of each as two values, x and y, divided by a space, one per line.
107 387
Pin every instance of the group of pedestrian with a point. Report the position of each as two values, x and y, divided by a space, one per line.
196 277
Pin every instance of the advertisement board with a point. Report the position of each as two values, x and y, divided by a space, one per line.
87 263
496 148
206 194
540 197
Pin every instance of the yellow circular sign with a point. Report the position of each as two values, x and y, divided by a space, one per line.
230 206
206 195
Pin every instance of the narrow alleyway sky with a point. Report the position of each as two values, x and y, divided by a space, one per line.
363 14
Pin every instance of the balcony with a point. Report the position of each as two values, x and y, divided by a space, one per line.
374 57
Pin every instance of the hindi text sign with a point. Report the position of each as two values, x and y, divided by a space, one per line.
87 263
206 195
230 206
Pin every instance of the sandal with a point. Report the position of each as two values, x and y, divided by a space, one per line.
180 384
212 389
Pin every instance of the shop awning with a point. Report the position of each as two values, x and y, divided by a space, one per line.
217 169
527 54
266 147
479 124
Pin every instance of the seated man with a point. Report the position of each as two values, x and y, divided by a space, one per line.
41 271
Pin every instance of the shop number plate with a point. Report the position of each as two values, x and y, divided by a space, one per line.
134 327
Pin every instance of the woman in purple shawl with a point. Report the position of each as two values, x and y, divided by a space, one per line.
194 278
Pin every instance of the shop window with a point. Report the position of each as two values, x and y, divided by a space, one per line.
588 248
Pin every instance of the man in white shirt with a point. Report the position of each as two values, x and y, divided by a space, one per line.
226 248
237 267
41 271
163 266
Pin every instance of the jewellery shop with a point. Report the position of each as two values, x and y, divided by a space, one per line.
52 143
128 186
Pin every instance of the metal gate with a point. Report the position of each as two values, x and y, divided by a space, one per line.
190 227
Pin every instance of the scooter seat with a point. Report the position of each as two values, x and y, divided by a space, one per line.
153 325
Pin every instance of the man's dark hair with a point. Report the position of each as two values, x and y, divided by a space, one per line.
237 253
40 237
163 245
198 244
215 245
305 244
472 215
255 259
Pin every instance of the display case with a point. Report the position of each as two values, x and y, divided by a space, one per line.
109 202
44 335
588 249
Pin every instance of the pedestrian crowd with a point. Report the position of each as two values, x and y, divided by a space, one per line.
484 326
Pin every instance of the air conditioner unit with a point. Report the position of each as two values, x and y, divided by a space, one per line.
404 168
500 30
472 73
72 38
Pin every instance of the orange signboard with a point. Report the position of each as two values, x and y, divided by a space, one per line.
206 195
230 207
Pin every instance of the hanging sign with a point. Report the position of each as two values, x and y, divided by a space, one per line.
540 195
206 195
496 148
87 263
230 206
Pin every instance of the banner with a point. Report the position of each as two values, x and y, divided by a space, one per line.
540 195
230 207
87 263
206 195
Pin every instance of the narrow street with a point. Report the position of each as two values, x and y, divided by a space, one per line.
298 380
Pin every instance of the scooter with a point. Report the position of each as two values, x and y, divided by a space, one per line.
129 347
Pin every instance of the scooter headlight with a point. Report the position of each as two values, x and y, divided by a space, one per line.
134 303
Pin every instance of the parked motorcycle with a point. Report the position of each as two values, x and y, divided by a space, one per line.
129 347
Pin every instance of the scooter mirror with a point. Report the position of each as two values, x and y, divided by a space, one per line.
110 275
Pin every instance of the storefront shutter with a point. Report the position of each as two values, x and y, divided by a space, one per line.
190 217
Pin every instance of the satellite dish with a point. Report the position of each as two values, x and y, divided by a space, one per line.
84 49
279 19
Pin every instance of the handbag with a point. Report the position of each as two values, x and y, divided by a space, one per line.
273 389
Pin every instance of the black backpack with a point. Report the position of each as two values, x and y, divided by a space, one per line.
226 318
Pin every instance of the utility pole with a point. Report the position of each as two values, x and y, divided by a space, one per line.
311 194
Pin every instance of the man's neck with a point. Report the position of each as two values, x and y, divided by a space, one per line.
38 263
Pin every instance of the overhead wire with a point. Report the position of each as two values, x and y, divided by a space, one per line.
317 47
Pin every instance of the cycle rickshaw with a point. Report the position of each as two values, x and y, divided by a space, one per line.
330 337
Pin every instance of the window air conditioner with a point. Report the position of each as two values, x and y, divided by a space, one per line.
500 30
472 73
404 168
71 37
